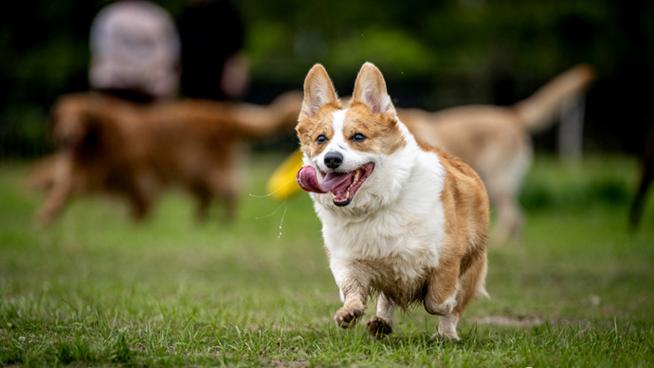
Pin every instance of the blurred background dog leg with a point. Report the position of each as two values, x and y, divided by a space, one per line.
504 190
646 177
229 198
509 219
40 176
140 194
224 185
203 196
59 192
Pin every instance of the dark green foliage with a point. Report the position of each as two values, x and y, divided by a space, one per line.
433 53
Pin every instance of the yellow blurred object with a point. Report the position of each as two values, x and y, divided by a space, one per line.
282 183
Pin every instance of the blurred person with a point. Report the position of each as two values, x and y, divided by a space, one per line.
214 65
135 57
135 52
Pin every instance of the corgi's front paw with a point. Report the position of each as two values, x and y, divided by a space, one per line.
379 327
348 315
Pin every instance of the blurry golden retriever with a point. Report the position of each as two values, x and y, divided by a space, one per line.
496 140
108 145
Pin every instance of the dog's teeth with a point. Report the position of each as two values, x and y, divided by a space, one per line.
356 175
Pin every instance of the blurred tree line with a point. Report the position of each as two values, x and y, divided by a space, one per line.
434 54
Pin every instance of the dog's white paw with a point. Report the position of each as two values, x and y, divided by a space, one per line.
447 327
450 335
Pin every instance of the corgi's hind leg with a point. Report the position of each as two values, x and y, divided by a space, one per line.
442 287
472 284
447 326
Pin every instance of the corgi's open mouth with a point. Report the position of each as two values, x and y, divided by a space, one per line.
343 186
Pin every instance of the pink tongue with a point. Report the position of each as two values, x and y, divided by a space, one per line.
308 180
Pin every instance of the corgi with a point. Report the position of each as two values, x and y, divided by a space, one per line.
399 219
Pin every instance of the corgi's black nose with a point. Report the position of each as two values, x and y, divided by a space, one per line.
333 159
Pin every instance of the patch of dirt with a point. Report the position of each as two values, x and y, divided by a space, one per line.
292 364
509 321
526 321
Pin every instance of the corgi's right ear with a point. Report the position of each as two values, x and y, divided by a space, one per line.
318 91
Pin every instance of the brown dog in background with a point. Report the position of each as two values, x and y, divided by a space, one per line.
496 140
111 146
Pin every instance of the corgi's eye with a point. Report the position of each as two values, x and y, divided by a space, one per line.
358 137
321 139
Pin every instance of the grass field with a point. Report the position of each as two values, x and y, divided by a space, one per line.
97 289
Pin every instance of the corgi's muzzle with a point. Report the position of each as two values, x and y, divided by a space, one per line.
343 186
333 159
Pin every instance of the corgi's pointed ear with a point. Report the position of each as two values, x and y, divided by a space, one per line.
318 91
370 89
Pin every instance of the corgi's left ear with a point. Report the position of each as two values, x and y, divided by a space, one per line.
370 89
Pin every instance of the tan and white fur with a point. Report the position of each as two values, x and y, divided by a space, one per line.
416 228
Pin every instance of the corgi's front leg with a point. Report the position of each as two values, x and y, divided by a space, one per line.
355 295
354 288
382 323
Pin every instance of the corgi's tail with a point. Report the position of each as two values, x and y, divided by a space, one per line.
482 293
538 111
480 288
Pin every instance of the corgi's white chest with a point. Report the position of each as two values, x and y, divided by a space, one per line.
403 239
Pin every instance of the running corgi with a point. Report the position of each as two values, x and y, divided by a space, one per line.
400 219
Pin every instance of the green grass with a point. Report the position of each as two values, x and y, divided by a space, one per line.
97 289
